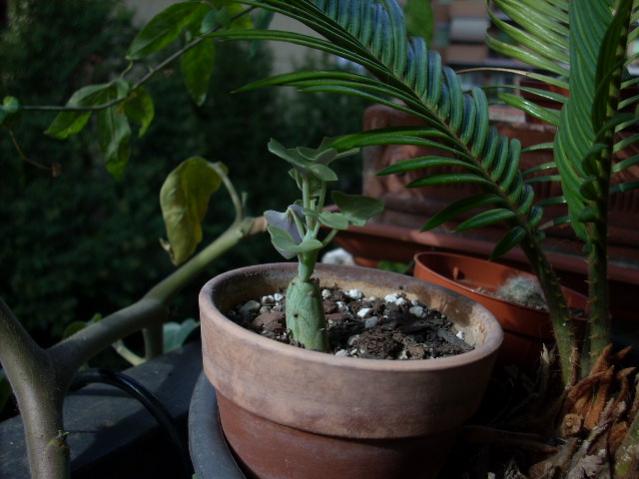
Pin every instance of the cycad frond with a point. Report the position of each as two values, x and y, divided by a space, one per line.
372 34
537 34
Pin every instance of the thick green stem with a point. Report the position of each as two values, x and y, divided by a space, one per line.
563 328
305 319
599 325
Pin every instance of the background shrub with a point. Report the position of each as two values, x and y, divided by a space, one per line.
84 243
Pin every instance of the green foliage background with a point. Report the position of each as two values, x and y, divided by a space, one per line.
84 243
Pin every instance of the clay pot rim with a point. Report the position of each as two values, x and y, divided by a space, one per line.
493 340
519 272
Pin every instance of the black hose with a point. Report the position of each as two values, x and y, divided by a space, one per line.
150 402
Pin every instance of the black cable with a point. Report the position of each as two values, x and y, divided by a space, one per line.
150 402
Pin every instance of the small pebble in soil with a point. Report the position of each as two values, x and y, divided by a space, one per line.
395 327
354 294
249 307
371 322
390 298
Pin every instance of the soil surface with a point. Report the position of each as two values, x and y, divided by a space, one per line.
392 327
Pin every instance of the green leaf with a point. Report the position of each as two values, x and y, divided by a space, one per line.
422 162
176 334
114 134
336 221
263 19
69 123
610 60
301 162
227 15
209 22
459 207
287 221
165 28
419 18
576 135
449 179
623 187
184 199
139 108
545 114
10 106
358 209
287 247
508 242
486 218
197 67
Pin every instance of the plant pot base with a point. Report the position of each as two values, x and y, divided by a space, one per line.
281 452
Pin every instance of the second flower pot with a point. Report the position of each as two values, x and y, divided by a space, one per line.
294 413
525 328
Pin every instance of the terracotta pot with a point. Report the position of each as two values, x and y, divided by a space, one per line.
525 329
293 413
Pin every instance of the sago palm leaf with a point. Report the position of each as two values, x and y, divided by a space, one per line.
372 34
576 135
537 34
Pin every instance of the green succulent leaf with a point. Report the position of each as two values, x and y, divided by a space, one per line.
197 68
288 221
286 245
184 199
357 209
336 221
301 162
163 29
176 334
139 109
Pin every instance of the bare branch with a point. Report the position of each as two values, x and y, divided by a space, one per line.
35 382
